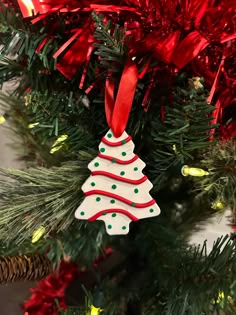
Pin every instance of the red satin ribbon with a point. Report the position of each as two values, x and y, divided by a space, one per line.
117 111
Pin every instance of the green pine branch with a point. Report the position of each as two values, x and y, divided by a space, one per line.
220 185
22 140
41 196
110 45
39 119
185 280
183 133
203 278
9 70
71 311
10 17
20 40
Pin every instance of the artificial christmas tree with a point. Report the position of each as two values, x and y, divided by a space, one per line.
164 72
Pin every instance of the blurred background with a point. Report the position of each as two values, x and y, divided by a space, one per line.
11 295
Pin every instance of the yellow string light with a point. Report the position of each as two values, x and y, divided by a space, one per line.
218 205
94 310
195 82
2 120
56 145
193 171
31 126
38 234
222 299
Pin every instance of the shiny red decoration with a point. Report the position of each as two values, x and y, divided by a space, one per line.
77 54
197 34
184 27
117 111
51 289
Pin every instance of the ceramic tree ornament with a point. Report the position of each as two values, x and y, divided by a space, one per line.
117 191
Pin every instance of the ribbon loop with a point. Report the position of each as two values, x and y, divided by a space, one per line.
117 111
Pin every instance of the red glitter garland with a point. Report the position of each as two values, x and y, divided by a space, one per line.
50 292
51 289
199 34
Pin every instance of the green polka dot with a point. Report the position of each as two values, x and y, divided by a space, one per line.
136 190
104 213
112 201
113 160
133 204
113 215
135 169
98 199
109 135
102 150
114 186
123 141
93 184
123 153
96 164
109 226
124 227
151 210
122 173
82 213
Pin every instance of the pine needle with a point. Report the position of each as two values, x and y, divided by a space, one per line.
39 197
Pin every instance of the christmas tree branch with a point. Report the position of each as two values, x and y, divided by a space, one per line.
220 185
38 197
110 44
195 278
72 311
35 127
201 283
182 134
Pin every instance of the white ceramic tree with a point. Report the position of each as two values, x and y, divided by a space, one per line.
117 192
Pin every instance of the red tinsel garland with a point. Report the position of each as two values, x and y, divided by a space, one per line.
181 28
199 34
51 289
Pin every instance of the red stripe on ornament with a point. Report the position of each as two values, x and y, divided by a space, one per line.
125 212
120 198
116 144
120 178
118 161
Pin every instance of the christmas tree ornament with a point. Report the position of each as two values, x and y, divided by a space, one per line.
117 191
